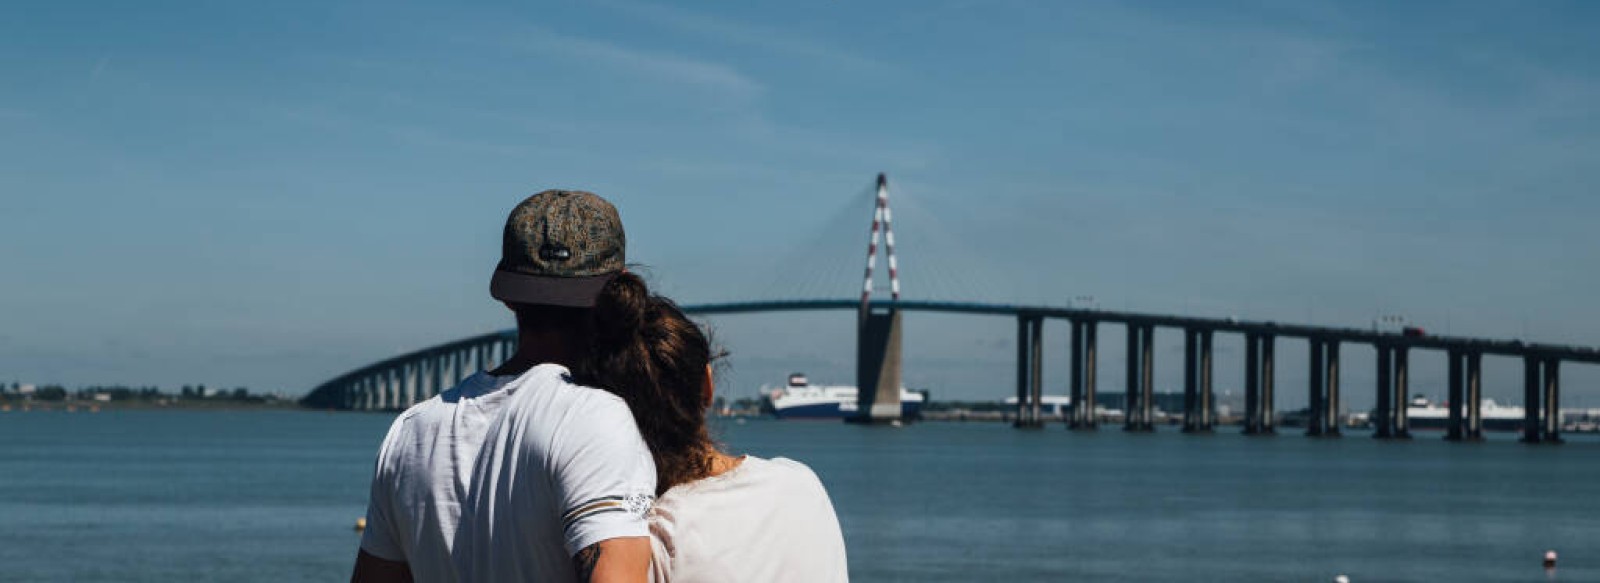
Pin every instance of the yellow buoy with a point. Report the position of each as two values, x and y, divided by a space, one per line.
361 523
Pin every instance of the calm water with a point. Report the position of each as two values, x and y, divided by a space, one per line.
271 496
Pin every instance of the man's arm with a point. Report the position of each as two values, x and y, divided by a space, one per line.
372 569
378 528
617 560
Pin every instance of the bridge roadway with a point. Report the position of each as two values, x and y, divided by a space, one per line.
398 382
1357 335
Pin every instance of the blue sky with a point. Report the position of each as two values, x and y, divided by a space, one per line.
270 194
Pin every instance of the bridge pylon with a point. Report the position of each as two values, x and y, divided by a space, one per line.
878 367
878 331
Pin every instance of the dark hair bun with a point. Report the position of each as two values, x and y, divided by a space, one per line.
619 311
647 351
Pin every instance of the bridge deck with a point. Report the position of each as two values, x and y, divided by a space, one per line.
1507 347
325 394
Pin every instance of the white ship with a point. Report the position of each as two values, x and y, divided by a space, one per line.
1424 414
1051 405
802 400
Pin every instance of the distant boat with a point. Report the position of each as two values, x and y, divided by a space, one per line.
802 400
1424 414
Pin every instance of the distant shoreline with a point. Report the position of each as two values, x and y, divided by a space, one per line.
14 406
80 406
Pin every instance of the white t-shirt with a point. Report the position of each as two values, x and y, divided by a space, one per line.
764 520
432 457
562 468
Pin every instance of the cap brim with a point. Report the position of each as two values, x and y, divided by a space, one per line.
521 288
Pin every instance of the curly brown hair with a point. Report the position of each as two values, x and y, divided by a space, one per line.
647 351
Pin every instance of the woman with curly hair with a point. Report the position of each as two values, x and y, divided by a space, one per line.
717 517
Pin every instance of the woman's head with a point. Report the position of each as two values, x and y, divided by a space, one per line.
647 351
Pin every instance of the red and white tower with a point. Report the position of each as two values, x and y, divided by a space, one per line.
878 334
882 222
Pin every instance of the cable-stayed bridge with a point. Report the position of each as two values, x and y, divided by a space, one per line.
404 380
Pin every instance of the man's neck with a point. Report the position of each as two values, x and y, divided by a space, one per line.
532 351
521 362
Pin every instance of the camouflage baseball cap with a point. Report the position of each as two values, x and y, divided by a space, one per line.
559 248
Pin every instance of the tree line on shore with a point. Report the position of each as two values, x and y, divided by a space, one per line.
113 393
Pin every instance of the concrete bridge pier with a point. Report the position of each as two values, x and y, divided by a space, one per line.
878 367
379 385
1531 428
1258 384
388 390
408 385
1191 380
1030 369
1139 408
1393 393
394 383
1474 399
427 380
1317 399
1075 383
1091 373
420 374
419 382
1335 401
413 384
1036 371
380 390
1552 400
1455 396
1269 391
1083 372
1252 384
1323 417
1541 386
1402 392
1197 397
374 390
1383 416
1130 399
1147 363
438 367
1333 405
1208 407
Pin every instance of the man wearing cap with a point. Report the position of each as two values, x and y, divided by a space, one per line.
517 474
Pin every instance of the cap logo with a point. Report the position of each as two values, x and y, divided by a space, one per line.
554 252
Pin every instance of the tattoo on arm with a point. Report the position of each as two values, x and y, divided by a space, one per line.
585 561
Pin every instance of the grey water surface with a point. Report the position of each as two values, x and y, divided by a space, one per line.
272 496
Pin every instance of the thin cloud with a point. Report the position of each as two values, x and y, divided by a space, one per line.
99 67
660 66
741 33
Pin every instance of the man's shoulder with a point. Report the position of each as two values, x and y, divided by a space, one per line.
440 408
550 415
552 388
425 411
431 409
